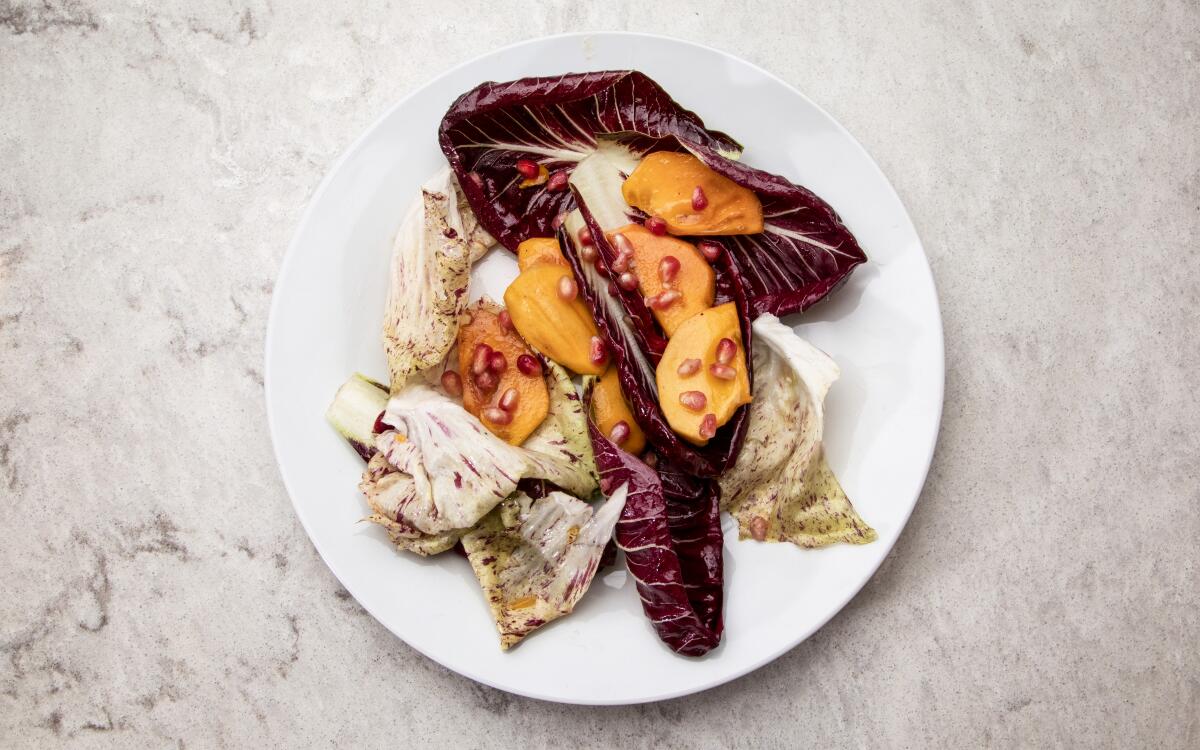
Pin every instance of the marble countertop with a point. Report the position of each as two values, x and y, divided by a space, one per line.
159 591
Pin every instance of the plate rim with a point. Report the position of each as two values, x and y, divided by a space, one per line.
291 253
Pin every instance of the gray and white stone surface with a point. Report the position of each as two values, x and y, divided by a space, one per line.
159 592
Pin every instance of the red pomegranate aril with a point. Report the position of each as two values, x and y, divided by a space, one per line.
527 168
694 400
668 269
621 264
709 249
656 226
597 353
508 399
558 220
589 253
529 365
650 458
622 244
497 362
600 269
699 199
627 281
505 320
688 367
726 348
496 415
452 383
663 300
723 372
708 426
758 528
479 362
567 289
487 381
558 182
619 432
612 289
585 237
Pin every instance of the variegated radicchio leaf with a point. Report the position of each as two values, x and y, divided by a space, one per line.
553 123
804 251
672 546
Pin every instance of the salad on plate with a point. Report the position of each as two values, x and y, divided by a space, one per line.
635 380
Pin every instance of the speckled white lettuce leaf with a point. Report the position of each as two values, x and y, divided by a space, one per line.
450 470
430 278
534 559
781 488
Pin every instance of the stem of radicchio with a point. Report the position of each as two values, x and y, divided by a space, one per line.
687 620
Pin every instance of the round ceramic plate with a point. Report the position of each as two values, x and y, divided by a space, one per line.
883 328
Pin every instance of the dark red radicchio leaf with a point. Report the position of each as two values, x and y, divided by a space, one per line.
554 122
636 345
679 582
804 251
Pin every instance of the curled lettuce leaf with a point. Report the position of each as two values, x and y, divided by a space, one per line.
430 277
554 121
534 559
804 251
670 532
781 488
444 470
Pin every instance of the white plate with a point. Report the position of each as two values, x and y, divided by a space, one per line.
883 328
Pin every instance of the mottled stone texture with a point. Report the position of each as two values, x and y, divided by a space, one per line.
158 591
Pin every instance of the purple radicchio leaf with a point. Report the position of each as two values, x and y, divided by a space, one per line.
689 623
554 122
635 345
804 251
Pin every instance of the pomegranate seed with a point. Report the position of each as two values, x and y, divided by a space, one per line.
505 320
724 372
668 269
622 244
699 199
627 281
650 458
758 528
619 432
487 381
567 289
527 168
694 400
589 253
497 362
479 362
597 353
558 182
600 269
475 178
558 221
726 348
529 365
508 399
688 367
612 289
708 426
663 300
656 226
621 264
496 415
585 237
709 249
452 383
